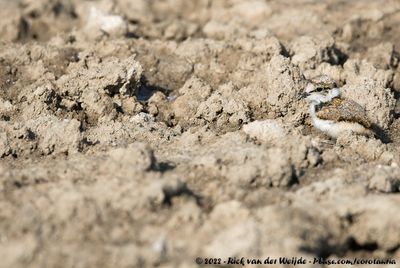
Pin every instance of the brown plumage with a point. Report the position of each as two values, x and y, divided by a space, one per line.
343 110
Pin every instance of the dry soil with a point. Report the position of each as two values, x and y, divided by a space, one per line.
141 133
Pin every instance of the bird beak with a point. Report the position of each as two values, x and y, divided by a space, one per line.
306 91
302 95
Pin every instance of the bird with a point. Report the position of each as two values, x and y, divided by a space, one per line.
332 114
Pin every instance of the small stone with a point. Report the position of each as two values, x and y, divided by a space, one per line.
193 92
4 144
99 22
242 239
309 52
385 179
382 56
228 213
267 130
137 156
252 12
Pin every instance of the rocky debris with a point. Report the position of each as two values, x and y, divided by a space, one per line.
108 88
270 131
369 149
44 134
126 161
137 10
249 165
368 221
316 225
252 12
192 94
18 251
242 238
227 21
284 85
386 179
334 71
303 152
383 56
4 145
12 27
52 134
98 22
362 79
227 214
222 111
336 183
359 218
299 22
111 76
309 52
219 30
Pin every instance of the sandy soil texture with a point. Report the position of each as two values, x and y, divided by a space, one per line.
142 133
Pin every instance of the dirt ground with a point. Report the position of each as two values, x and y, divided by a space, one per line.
142 133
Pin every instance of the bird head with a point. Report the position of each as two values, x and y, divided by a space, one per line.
319 89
